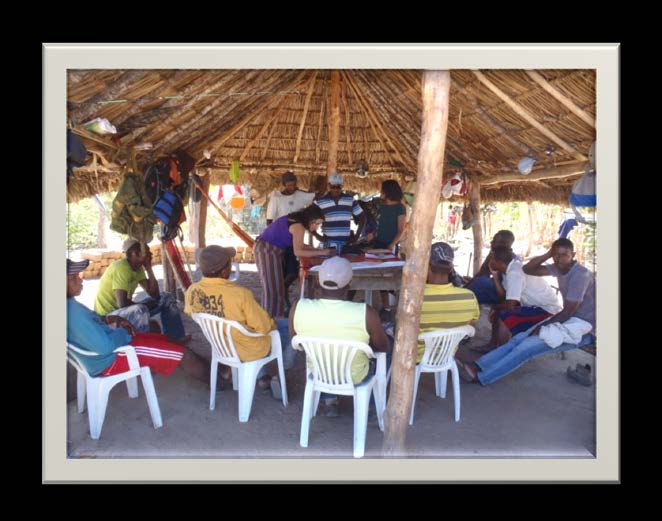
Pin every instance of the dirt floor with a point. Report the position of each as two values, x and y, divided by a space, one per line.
534 412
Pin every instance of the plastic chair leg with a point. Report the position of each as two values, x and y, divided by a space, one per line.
281 374
80 391
456 390
306 413
152 400
132 387
316 405
247 376
213 377
361 401
97 400
417 377
442 381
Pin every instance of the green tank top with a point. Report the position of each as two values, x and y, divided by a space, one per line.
335 319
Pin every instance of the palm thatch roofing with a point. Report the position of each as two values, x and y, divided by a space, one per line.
277 120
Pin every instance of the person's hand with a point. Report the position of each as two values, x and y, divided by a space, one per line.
492 270
123 322
147 263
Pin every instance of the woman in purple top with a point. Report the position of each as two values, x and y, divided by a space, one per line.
269 248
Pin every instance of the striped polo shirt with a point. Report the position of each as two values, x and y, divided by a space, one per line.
445 306
338 216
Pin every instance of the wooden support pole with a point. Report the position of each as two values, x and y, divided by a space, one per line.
520 111
334 132
562 98
477 228
436 87
202 216
168 273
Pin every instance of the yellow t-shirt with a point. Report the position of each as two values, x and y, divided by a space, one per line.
224 299
335 319
119 275
445 306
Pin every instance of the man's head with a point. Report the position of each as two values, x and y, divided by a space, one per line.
289 182
563 254
503 238
134 252
335 184
501 257
441 258
216 261
74 282
335 274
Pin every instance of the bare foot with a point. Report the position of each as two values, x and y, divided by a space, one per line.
470 369
264 382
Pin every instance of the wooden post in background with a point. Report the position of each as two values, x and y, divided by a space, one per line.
202 215
477 228
334 133
436 86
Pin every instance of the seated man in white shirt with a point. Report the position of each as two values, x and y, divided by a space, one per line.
526 300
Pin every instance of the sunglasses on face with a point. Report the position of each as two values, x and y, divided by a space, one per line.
335 187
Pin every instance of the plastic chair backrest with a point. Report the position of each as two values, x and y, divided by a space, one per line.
441 344
218 331
331 359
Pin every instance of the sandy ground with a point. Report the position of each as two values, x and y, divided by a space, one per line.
535 411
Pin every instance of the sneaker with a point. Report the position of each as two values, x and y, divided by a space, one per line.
580 374
276 391
331 409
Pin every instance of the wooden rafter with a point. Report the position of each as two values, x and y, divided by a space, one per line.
309 94
343 99
562 98
549 173
276 111
526 116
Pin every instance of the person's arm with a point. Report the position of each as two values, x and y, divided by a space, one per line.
271 207
378 339
535 267
577 288
257 318
119 322
151 284
85 330
301 249
362 222
484 270
498 286
402 219
569 308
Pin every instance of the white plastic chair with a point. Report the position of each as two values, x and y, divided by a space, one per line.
331 373
440 348
97 388
244 374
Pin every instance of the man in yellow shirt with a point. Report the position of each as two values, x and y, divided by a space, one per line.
216 295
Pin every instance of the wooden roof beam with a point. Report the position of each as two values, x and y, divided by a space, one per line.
311 88
520 111
549 173
563 99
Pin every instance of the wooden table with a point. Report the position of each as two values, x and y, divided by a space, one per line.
366 279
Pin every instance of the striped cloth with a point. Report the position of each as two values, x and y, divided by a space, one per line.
338 216
154 350
269 261
521 318
445 306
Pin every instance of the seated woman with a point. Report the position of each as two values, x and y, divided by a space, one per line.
270 247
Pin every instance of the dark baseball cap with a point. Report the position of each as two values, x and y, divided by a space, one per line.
441 254
74 268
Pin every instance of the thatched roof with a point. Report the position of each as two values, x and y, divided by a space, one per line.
276 120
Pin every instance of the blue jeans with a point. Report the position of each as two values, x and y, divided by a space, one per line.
483 288
289 353
520 349
138 314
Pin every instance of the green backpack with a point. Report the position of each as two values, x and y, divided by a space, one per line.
132 210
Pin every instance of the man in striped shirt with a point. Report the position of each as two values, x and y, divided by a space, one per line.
339 209
444 305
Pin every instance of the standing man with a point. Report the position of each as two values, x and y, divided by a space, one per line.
287 201
119 282
577 287
339 209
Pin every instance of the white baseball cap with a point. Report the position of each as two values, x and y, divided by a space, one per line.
335 179
335 273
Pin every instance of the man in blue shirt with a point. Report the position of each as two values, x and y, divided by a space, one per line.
339 209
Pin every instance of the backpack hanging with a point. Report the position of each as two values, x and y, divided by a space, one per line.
131 210
169 209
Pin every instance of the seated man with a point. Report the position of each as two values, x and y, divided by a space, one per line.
120 281
577 287
216 295
444 305
103 334
481 284
527 300
332 316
